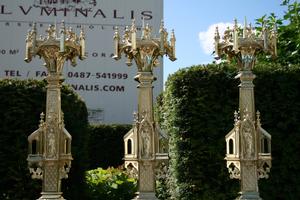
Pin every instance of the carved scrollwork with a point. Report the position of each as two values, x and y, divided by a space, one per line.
132 171
145 50
36 172
54 61
234 171
147 59
162 171
263 170
64 170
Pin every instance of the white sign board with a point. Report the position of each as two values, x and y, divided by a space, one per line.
106 85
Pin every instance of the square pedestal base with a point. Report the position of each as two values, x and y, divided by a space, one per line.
145 196
51 196
249 196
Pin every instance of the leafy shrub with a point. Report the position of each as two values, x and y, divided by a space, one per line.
110 184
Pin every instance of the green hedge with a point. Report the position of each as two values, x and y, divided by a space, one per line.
21 103
197 111
106 146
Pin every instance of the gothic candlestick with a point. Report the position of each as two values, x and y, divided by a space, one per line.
142 146
248 144
50 156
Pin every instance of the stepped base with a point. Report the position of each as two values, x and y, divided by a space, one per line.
145 196
249 196
51 196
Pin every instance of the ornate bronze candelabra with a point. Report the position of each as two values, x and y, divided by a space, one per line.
50 156
143 150
248 144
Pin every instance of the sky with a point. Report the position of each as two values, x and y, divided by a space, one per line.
194 22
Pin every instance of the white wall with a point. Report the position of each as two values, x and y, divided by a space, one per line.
99 72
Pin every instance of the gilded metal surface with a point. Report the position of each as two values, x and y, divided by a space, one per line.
247 157
142 145
50 156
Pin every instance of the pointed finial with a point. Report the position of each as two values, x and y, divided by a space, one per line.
161 28
133 26
126 28
143 28
42 117
126 33
217 34
236 116
34 27
147 26
143 22
172 36
62 28
82 42
116 33
173 40
147 32
263 24
133 23
275 40
235 23
62 25
62 118
51 31
28 36
55 25
258 118
275 28
263 29
245 28
135 117
82 33
217 40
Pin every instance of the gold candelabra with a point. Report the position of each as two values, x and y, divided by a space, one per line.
143 150
248 145
49 157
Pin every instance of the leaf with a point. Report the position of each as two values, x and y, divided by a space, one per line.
114 186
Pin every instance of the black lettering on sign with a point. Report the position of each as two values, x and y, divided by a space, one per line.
10 51
41 73
48 11
2 51
116 15
83 12
25 12
147 15
3 10
99 12
98 88
12 73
